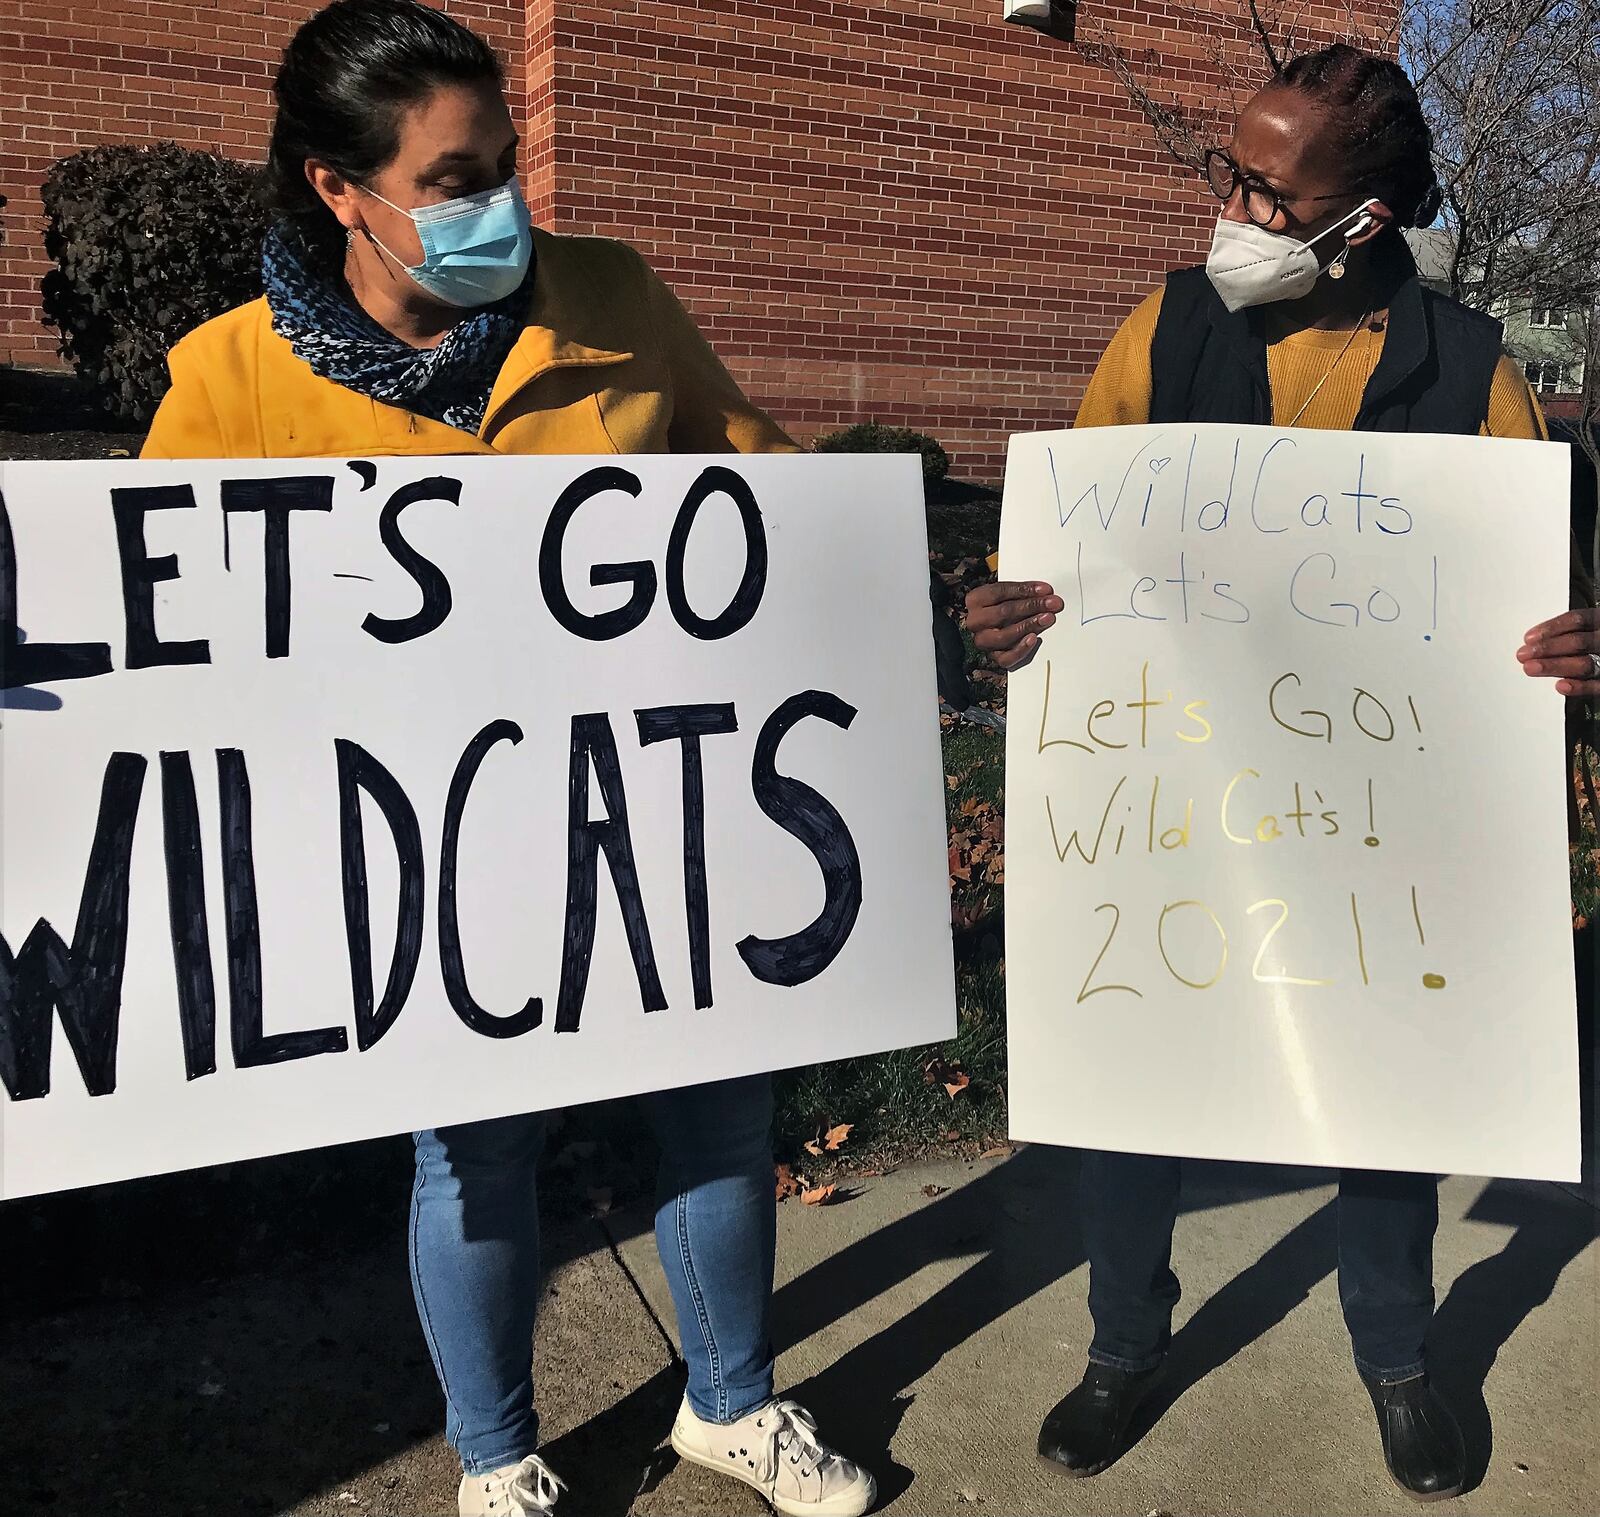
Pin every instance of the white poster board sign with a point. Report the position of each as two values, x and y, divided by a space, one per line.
342 799
1286 863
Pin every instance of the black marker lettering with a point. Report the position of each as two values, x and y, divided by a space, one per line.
84 981
430 578
800 811
690 724
642 576
251 1046
451 963
141 574
36 663
593 744
186 916
717 480
360 771
276 499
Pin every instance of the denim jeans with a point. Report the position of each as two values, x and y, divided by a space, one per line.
475 1260
1386 1227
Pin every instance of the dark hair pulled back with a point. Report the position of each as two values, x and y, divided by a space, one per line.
1376 123
347 75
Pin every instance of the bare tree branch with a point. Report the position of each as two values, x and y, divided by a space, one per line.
1267 45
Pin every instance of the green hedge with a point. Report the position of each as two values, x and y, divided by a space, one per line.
874 437
148 243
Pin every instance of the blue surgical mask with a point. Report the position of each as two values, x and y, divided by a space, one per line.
475 249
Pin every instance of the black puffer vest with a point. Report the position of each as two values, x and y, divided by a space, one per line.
1438 361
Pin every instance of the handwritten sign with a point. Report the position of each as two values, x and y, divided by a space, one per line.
344 799
1285 821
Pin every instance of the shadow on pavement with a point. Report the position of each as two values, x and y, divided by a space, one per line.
228 1341
280 1356
1250 1305
1490 1301
1020 1215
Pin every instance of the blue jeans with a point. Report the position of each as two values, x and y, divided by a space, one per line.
475 1260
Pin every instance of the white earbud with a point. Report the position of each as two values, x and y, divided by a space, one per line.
1359 228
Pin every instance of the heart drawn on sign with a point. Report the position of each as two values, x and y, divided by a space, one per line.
1158 464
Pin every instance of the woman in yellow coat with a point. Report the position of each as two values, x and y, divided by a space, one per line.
410 309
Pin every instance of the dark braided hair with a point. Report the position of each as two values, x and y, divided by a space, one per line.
1376 123
347 75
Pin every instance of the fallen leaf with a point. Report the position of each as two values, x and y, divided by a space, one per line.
118 453
930 1191
950 1135
958 1082
599 1200
788 1185
953 781
1002 1152
872 1174
834 1138
966 917
968 1496
821 1196
814 1149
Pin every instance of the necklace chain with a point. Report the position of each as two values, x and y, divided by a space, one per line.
1338 358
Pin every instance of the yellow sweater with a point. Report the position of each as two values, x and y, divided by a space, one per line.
1119 391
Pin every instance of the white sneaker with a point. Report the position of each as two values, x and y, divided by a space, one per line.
529 1489
776 1450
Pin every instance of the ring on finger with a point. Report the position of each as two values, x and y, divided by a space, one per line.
1594 664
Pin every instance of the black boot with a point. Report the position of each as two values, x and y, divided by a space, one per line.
1421 1442
1084 1432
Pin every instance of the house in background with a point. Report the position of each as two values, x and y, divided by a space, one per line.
1548 339
1550 342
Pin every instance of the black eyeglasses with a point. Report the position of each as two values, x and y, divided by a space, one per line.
1262 203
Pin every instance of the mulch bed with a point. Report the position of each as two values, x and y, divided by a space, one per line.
48 414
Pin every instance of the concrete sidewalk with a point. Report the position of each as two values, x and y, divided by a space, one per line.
929 1320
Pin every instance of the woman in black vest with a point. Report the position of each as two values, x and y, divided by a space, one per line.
1308 313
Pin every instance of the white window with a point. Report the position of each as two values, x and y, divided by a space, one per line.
1547 316
1547 377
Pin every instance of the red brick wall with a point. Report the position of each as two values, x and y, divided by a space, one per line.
198 72
910 212
907 211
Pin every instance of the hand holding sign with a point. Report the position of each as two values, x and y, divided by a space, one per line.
1007 618
1565 649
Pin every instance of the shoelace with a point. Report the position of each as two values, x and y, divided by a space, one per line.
794 1432
535 1486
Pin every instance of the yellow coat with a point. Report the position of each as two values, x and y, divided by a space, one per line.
609 362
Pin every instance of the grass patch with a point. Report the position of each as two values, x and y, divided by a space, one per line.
1586 849
889 1100
894 1105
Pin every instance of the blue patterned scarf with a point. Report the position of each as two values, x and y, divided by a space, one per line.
332 335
